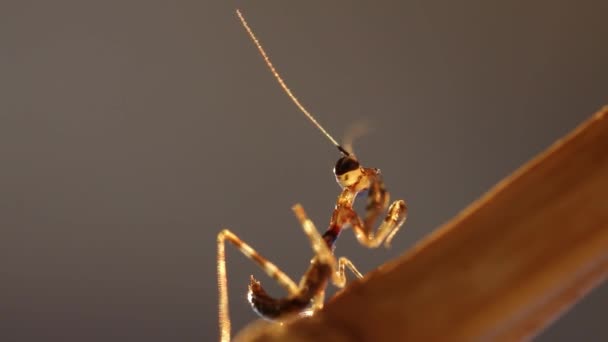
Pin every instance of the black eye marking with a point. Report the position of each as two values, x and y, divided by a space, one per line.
345 164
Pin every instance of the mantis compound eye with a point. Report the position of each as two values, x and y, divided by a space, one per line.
345 164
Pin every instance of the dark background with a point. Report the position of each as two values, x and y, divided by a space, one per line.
132 131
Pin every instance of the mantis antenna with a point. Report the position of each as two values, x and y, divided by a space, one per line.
284 85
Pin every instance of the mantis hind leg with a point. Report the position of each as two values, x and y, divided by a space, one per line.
271 269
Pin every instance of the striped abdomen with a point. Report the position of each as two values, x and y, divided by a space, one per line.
316 278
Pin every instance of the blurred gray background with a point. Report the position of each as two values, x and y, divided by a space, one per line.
132 131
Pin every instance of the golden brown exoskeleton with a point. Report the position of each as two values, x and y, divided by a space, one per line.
324 267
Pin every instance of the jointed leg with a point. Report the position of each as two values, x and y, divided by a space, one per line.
339 277
322 252
395 217
268 267
377 202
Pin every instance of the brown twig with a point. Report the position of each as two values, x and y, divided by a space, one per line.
503 269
